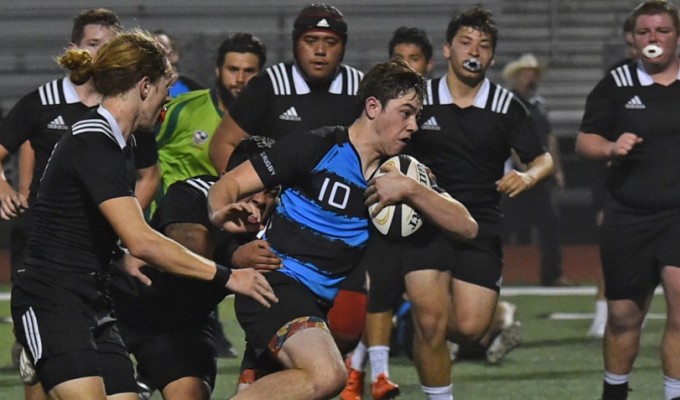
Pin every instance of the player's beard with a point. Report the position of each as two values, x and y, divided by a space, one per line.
223 93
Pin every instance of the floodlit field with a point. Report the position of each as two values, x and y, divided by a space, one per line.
555 362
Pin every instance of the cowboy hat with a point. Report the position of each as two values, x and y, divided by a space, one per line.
526 61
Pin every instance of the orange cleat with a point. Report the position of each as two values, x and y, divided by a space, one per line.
354 390
384 388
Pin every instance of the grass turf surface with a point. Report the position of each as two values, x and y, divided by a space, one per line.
556 360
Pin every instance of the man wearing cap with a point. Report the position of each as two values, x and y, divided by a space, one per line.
311 91
536 207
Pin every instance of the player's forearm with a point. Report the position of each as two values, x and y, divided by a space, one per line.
222 193
26 165
171 257
447 213
593 146
540 168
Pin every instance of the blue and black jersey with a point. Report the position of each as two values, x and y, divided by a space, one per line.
320 226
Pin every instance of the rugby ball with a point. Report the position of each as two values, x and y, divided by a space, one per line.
400 220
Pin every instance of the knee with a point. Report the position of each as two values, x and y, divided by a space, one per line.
622 323
330 384
430 327
465 331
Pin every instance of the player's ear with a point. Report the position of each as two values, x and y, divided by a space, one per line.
372 107
144 87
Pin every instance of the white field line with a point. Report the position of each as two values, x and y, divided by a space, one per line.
511 291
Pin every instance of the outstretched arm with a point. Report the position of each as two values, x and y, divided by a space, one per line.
125 216
223 206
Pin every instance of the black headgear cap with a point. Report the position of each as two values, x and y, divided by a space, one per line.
320 16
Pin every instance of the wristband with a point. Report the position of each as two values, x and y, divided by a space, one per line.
222 275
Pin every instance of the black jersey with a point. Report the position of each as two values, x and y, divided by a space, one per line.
628 100
44 116
88 167
173 302
279 101
466 148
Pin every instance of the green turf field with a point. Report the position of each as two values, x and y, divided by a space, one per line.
555 362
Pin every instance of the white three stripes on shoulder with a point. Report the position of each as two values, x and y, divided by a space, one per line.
429 97
279 77
622 76
201 185
501 100
354 77
30 323
93 125
49 93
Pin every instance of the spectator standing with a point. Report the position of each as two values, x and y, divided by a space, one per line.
537 207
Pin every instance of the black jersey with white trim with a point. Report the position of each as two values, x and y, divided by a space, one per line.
42 117
88 167
45 115
466 148
628 100
279 101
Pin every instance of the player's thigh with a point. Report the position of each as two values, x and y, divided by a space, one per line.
311 349
87 388
428 292
472 306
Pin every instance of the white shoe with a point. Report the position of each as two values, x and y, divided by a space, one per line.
599 320
26 369
597 329
453 350
509 338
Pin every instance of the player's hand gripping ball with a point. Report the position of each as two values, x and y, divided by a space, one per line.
400 220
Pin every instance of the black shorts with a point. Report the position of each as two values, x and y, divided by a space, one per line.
261 324
633 252
68 338
166 357
389 260
479 261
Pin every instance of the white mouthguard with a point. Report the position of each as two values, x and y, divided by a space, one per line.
472 64
652 51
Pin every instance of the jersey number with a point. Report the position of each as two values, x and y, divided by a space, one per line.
339 194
